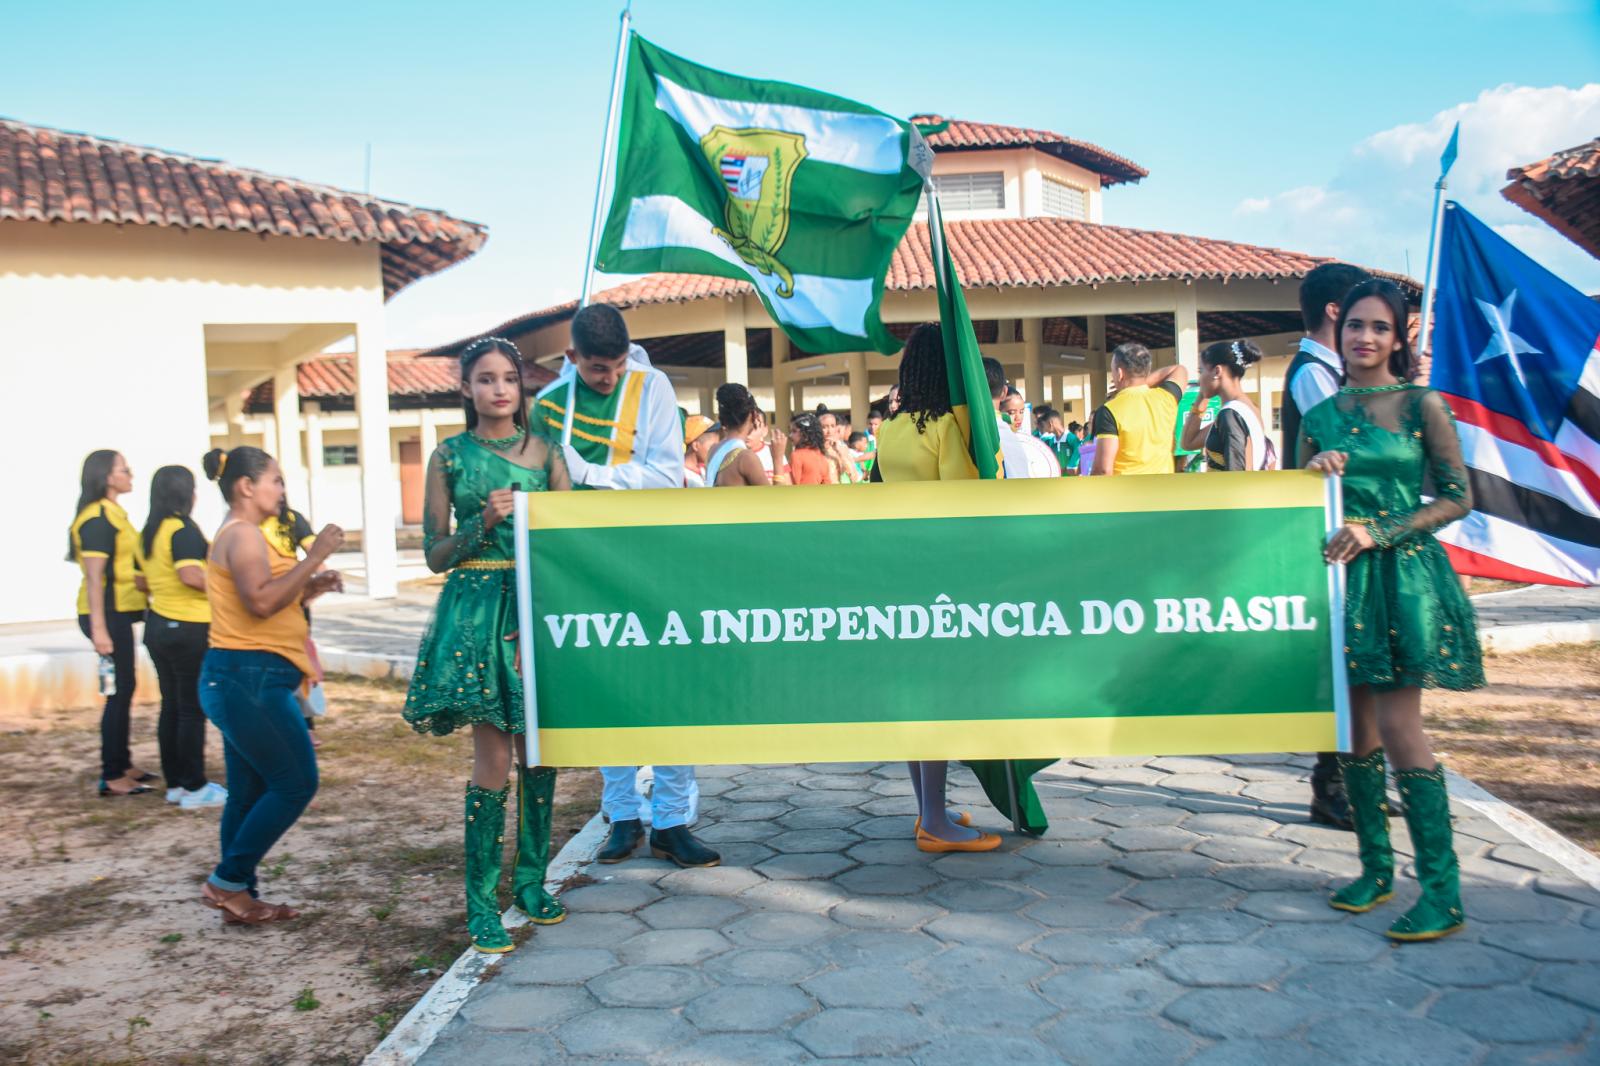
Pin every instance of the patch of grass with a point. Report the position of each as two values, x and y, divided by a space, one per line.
384 1022
56 912
307 1000
172 938
382 911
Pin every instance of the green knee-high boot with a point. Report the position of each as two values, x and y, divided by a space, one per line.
1369 809
485 838
534 798
1438 913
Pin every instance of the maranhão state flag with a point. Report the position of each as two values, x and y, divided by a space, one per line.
802 193
1516 353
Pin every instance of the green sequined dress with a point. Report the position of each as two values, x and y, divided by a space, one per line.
1407 622
466 668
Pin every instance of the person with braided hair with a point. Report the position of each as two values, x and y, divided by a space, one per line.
467 673
734 462
808 459
1236 439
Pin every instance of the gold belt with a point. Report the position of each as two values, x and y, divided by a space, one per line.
487 564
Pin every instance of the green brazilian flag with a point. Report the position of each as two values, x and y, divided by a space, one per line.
804 194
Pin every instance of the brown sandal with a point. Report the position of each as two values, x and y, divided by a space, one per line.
239 908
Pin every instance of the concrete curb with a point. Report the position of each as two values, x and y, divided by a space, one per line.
1526 828
1506 639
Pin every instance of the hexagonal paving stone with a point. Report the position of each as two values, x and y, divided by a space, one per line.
1230 1013
1212 784
1157 865
728 1048
821 818
1499 904
894 786
1389 1036
1524 856
876 948
1182 893
1221 965
1273 877
964 1049
780 929
859 1032
1241 1053
1152 838
803 897
840 800
1122 775
1246 849
713 786
1068 852
1062 912
1098 949
991 928
556 966
711 881
751 811
672 947
1124 817
1355 985
744 855
989 865
896 826
624 1031
1548 944
1207 803
738 832
1131 795
1510 1015
839 782
589 931
805 867
885 880
760 791
894 852
1479 868
980 896
460 1044
805 840
1091 989
749 1008
1290 907
1129 1040
1564 887
1325 943
886 986
1009 1007
764 966
1571 981
524 1006
592 899
1078 882
890 806
1189 764
969 965
1201 927
649 986
885 912
691 912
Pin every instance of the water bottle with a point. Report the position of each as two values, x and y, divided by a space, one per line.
108 676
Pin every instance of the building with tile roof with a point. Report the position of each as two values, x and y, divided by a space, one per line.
1563 190
1051 286
173 285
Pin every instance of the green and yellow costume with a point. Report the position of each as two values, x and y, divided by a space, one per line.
1407 622
467 672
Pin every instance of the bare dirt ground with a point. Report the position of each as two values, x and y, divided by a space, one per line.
1532 737
106 955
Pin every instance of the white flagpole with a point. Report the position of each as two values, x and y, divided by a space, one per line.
607 159
1430 274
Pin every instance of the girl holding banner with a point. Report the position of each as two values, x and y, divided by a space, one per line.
924 441
466 671
1408 624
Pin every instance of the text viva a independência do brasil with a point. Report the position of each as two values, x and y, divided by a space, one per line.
943 619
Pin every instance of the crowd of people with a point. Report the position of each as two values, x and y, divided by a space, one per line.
227 625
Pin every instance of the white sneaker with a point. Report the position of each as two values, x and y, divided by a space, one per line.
212 795
175 795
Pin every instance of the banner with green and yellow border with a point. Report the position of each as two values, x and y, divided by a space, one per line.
1179 614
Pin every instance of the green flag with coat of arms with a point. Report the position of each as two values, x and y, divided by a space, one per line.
804 194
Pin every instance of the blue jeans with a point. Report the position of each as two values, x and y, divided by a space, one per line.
272 770
669 795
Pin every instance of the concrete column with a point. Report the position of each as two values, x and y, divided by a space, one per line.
1006 330
708 401
428 435
379 494
1097 389
797 399
286 421
736 359
1058 390
860 390
1186 329
314 482
232 415
1033 360
782 410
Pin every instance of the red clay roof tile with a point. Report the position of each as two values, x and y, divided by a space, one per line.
1563 191
412 376
964 136
50 175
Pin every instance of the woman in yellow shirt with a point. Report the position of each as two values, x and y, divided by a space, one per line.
175 633
922 441
105 546
248 680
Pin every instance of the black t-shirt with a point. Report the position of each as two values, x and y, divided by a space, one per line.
1227 441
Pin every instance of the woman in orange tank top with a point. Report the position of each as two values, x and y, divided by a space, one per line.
256 663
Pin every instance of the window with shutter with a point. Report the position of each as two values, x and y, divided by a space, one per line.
1063 200
983 191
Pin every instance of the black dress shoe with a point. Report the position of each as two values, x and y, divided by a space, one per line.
1329 805
679 845
625 836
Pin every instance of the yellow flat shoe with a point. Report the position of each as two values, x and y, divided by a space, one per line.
983 842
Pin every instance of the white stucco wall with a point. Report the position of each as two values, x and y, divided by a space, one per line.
102 346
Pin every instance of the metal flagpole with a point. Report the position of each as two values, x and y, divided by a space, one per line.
607 158
1430 274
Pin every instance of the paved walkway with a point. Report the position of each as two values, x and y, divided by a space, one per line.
1174 913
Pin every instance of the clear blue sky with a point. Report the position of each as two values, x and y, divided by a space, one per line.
492 111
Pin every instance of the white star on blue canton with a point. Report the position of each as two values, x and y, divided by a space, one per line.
1501 340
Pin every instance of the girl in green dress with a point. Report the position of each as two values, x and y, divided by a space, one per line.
467 671
1408 625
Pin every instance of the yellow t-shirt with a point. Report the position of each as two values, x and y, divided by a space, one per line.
178 544
938 453
289 534
102 531
1141 420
